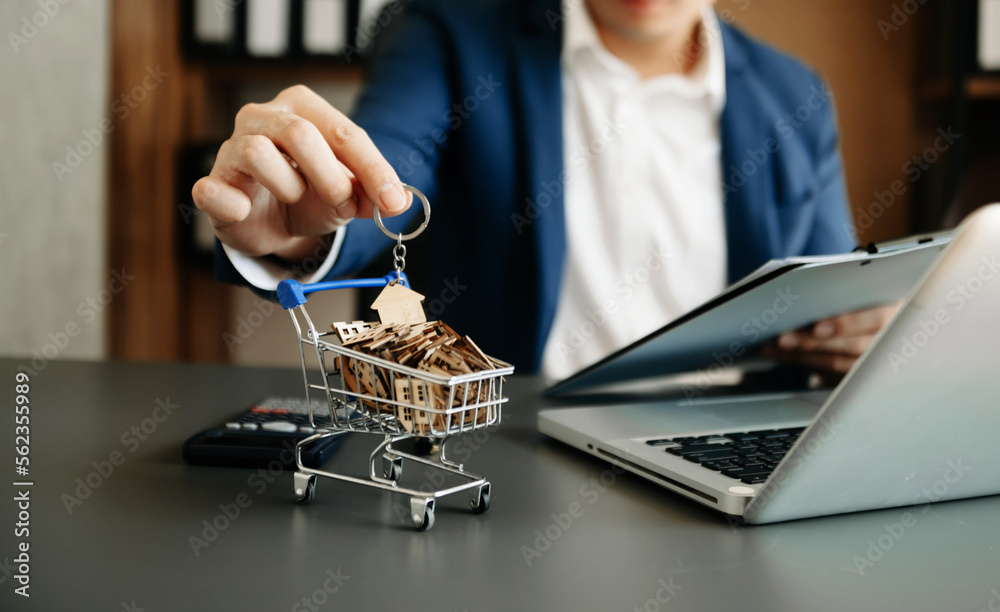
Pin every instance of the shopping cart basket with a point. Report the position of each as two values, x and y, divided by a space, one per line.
406 403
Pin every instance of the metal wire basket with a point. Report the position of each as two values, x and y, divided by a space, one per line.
368 394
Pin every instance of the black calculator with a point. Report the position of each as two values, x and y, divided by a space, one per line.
265 433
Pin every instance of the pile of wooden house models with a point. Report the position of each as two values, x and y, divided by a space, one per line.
403 336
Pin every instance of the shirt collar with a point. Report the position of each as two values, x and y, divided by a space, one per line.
708 78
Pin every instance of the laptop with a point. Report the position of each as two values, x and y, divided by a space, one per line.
915 421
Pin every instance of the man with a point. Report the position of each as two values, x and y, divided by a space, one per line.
597 168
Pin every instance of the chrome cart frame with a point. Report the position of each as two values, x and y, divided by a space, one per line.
474 401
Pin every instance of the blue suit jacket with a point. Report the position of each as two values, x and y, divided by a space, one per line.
465 102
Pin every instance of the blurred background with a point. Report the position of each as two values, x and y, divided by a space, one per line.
111 109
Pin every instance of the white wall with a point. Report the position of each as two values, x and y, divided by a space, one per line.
52 232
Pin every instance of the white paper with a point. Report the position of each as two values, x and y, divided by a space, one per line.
213 21
324 28
989 34
267 27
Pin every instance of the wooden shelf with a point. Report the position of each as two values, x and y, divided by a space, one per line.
978 87
235 72
986 87
937 90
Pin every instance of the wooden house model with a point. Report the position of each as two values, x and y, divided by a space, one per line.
397 304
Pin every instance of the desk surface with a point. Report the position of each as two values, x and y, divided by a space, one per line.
129 541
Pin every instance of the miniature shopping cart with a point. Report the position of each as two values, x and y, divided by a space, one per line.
407 403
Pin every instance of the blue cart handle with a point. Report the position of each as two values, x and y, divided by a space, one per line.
292 293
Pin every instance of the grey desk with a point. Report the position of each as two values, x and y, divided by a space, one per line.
129 541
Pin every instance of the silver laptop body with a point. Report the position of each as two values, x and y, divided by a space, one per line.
916 420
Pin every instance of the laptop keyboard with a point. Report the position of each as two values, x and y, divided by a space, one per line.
749 456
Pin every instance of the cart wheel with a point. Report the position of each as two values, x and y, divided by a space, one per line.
392 467
424 446
481 502
422 513
305 487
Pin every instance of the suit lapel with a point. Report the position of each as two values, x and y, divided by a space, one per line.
539 105
751 221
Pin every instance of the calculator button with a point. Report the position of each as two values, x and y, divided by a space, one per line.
232 425
250 426
307 429
260 410
282 426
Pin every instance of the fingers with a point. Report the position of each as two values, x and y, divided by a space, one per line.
223 203
314 217
352 146
304 144
294 168
832 345
804 342
364 204
855 323
821 362
258 157
851 333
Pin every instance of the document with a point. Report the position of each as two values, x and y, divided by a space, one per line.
324 28
214 22
267 27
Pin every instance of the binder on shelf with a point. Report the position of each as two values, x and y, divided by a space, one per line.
284 30
268 28
324 27
989 35
211 29
214 22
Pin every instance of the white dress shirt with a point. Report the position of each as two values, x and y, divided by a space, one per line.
264 273
643 198
644 207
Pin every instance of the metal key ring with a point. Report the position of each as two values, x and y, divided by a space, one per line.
427 218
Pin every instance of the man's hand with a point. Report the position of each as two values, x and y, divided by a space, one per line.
833 345
295 169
